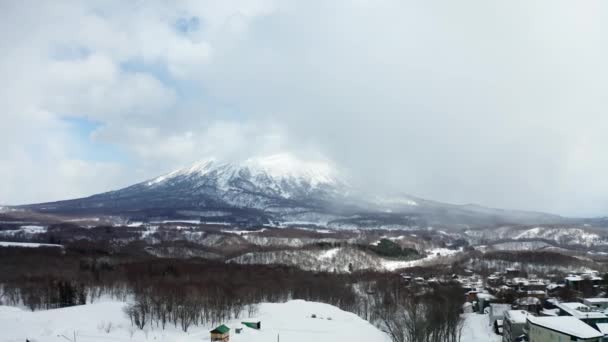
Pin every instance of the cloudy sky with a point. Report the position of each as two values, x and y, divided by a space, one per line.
503 104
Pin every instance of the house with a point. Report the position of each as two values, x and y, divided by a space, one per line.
549 312
221 334
513 325
471 296
598 303
531 304
537 293
603 328
537 285
554 289
585 282
253 325
484 300
582 312
497 313
512 272
495 280
564 328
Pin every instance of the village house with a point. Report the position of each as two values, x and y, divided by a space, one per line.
564 328
513 325
598 303
582 312
531 304
220 334
580 282
496 316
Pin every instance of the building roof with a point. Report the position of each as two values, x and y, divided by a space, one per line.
500 307
575 278
549 312
566 325
222 329
603 328
554 286
498 310
516 316
528 301
485 296
580 311
596 300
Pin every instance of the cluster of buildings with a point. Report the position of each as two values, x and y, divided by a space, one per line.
528 308
222 332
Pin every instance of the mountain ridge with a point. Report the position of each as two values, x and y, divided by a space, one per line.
279 189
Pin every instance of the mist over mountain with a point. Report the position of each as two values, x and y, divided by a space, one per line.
280 189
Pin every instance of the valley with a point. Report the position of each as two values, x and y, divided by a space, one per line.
239 236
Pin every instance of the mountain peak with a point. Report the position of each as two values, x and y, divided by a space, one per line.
279 167
284 166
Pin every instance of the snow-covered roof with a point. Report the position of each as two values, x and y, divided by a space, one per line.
565 325
549 312
516 316
603 328
485 296
596 300
536 292
500 307
574 278
580 311
554 286
528 301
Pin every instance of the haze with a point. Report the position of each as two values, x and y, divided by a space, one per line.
497 103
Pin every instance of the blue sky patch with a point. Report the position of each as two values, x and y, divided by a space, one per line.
187 25
89 149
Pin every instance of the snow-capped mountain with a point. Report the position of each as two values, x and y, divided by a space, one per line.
280 175
258 188
278 189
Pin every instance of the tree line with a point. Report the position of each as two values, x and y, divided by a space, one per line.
191 292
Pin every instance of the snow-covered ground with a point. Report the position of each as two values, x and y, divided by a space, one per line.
105 321
432 255
26 230
340 259
26 244
476 328
243 232
561 235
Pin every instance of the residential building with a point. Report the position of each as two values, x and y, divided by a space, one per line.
513 325
560 329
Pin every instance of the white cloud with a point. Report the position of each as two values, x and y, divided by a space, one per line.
475 101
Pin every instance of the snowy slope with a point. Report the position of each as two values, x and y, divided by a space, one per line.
277 169
291 321
341 259
560 235
26 244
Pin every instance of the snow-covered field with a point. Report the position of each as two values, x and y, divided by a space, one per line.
26 244
565 236
27 230
433 255
291 321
